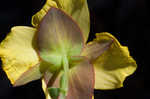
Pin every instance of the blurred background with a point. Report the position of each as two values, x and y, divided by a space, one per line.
128 20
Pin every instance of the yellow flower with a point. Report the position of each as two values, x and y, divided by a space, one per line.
56 50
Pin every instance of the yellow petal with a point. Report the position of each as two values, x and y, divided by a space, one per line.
114 65
44 86
19 58
92 97
39 15
78 9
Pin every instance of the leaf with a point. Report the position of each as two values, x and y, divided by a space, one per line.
58 35
19 58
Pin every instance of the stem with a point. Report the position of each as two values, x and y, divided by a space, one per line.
65 76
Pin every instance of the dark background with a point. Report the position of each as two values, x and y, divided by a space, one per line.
128 20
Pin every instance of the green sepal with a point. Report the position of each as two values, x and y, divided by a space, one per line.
54 92
57 35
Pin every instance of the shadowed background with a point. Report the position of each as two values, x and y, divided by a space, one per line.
128 20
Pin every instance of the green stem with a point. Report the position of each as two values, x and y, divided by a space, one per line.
65 76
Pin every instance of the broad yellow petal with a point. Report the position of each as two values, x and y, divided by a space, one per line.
78 9
114 65
19 58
